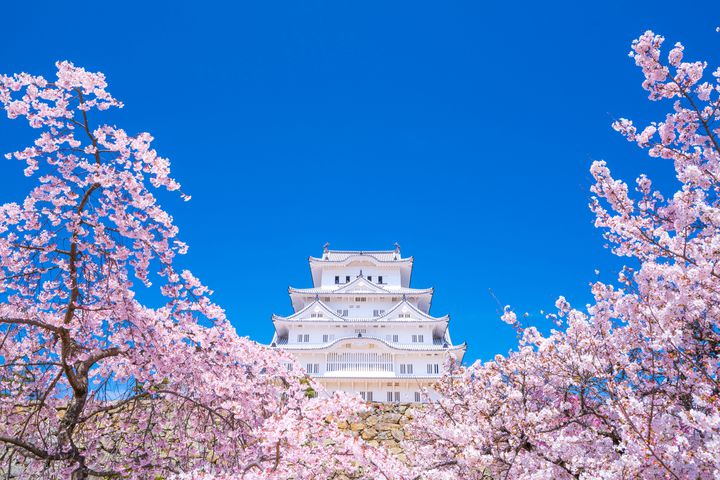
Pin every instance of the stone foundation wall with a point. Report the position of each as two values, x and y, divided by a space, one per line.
384 425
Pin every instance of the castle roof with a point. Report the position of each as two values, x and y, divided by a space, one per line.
385 317
392 346
361 285
330 256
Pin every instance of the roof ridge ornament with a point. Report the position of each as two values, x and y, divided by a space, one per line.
325 249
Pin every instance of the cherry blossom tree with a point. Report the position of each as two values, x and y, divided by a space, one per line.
627 387
93 383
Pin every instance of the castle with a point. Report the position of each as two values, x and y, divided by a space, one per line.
362 329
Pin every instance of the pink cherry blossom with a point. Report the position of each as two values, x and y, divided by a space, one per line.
94 382
627 387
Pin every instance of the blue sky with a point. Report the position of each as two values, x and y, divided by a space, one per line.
462 130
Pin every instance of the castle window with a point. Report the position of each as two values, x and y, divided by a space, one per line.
417 396
337 279
406 369
380 279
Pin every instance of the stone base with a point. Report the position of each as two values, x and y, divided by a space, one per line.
384 425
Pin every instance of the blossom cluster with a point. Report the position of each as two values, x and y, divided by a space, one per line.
94 382
629 386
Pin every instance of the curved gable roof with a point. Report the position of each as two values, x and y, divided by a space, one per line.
360 285
381 318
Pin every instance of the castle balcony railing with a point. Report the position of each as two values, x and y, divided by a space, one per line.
359 362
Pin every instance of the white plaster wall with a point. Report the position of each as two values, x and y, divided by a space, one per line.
316 330
391 276
379 388
361 309
419 362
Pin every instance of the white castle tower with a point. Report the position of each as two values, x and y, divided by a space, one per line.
362 329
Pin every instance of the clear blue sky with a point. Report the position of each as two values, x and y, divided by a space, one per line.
462 130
